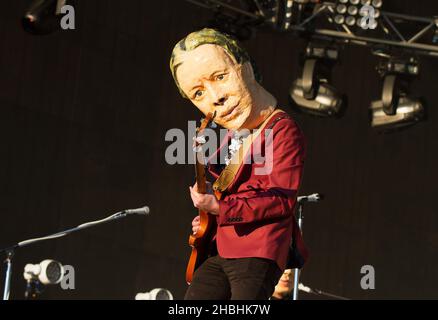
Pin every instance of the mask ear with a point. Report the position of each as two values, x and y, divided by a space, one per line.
248 72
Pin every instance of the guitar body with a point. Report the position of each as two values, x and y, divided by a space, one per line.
200 241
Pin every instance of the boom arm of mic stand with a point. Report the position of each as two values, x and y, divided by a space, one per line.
10 250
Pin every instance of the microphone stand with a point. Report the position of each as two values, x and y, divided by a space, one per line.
11 250
316 197
297 270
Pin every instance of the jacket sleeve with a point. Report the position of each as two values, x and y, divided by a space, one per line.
273 196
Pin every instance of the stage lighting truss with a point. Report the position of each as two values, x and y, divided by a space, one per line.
358 22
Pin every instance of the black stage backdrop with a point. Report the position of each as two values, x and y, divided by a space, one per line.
82 124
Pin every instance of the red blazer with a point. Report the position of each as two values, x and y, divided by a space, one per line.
256 216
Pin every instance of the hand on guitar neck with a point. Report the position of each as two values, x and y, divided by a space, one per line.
205 202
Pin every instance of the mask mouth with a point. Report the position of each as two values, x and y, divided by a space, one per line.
227 115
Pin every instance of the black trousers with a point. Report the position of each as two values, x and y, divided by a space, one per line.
236 279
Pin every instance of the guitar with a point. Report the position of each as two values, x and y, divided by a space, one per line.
200 241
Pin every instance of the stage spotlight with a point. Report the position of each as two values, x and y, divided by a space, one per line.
312 93
327 102
356 12
351 21
43 16
155 294
396 109
47 272
408 112
396 74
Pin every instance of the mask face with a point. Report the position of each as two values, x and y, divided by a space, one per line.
214 82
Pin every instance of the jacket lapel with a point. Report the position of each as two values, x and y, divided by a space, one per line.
232 171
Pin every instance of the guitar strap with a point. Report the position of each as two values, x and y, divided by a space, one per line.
229 172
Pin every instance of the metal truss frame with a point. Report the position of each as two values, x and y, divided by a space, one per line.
386 37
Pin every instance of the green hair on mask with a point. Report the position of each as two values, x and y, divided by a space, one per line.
210 36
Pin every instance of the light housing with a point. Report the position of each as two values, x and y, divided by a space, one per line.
312 93
328 102
408 112
396 109
47 272
43 16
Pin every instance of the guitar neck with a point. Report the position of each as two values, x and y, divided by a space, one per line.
199 156
201 179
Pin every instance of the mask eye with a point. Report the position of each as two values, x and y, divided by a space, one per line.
220 77
198 93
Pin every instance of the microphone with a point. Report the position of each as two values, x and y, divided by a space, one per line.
307 289
304 288
143 211
316 197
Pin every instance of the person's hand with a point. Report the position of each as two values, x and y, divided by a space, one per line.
205 202
196 223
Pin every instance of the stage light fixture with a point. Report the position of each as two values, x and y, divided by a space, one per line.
43 16
312 93
356 13
396 108
327 103
47 272
397 74
408 112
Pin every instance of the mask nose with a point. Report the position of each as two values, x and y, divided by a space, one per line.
221 101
